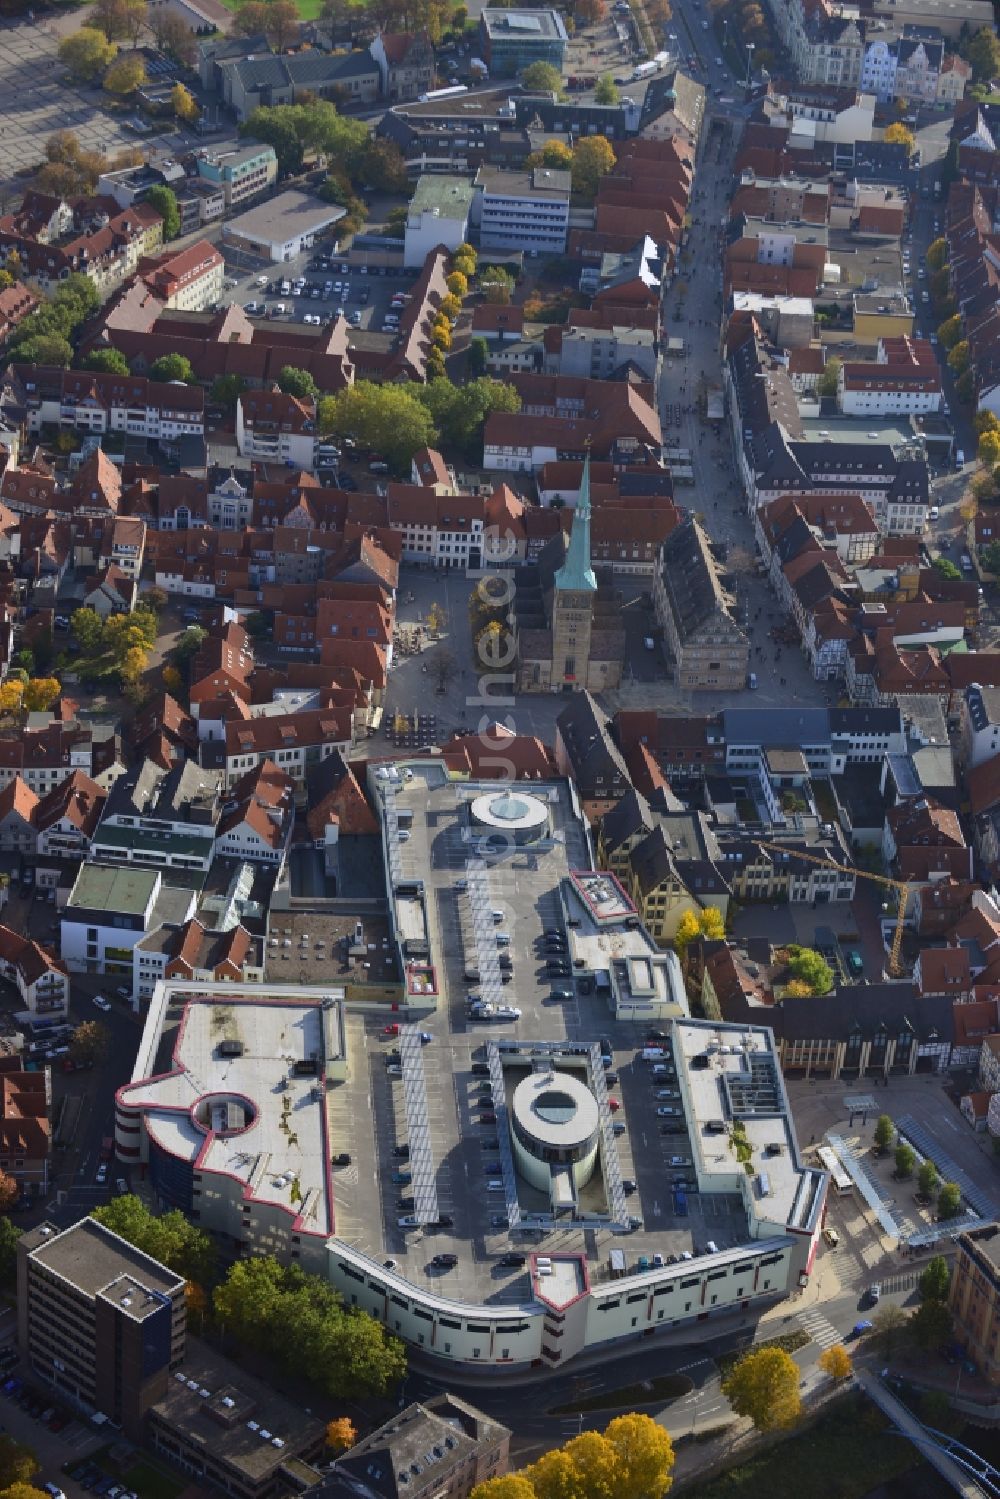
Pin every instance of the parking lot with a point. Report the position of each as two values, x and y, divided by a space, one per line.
650 1133
320 285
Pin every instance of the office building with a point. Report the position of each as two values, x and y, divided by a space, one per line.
511 40
974 1299
97 1320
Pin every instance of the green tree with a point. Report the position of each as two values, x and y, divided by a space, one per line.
47 348
164 200
810 968
606 91
87 53
497 285
464 265
86 628
885 1133
9 1235
391 419
350 1353
478 354
17 1463
937 254
125 75
927 1177
170 1238
172 367
946 568
764 1386
949 1202
989 557
827 384
593 158
950 331
931 1324
383 167
935 1280
906 1159
189 643
983 52
965 387
958 359
226 391
460 411
274 124
297 382
107 362
541 78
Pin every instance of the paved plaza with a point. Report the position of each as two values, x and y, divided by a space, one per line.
34 104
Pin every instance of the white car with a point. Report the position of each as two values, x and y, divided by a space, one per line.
409 1221
102 1174
121 1186
313 319
667 1112
101 1002
507 1012
933 513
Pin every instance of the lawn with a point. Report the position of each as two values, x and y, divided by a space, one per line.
846 1454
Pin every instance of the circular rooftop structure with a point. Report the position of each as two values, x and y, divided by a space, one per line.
554 1116
515 816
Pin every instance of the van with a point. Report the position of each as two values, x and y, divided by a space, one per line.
503 939
497 917
752 680
616 1264
285 288
959 458
653 1053
712 1247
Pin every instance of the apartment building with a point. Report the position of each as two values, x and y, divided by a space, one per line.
25 1126
77 400
55 237
186 280
161 818
98 1321
41 979
241 172
273 426
292 741
522 210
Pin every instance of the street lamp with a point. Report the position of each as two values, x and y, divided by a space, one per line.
751 47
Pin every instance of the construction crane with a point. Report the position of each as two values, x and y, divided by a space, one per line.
902 886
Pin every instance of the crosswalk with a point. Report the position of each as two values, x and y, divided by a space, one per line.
820 1329
904 1282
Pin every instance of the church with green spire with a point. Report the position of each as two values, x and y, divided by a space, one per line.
567 623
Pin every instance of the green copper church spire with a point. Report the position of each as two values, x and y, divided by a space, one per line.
576 574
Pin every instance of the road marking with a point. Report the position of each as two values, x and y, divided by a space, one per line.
820 1329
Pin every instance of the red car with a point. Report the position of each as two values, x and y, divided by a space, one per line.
614 1104
390 1030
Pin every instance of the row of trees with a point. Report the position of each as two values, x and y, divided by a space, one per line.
21 694
70 171
258 1301
44 337
129 20
632 1458
949 1197
397 420
749 24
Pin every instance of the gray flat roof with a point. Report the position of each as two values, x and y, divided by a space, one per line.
450 196
127 891
92 1258
285 216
